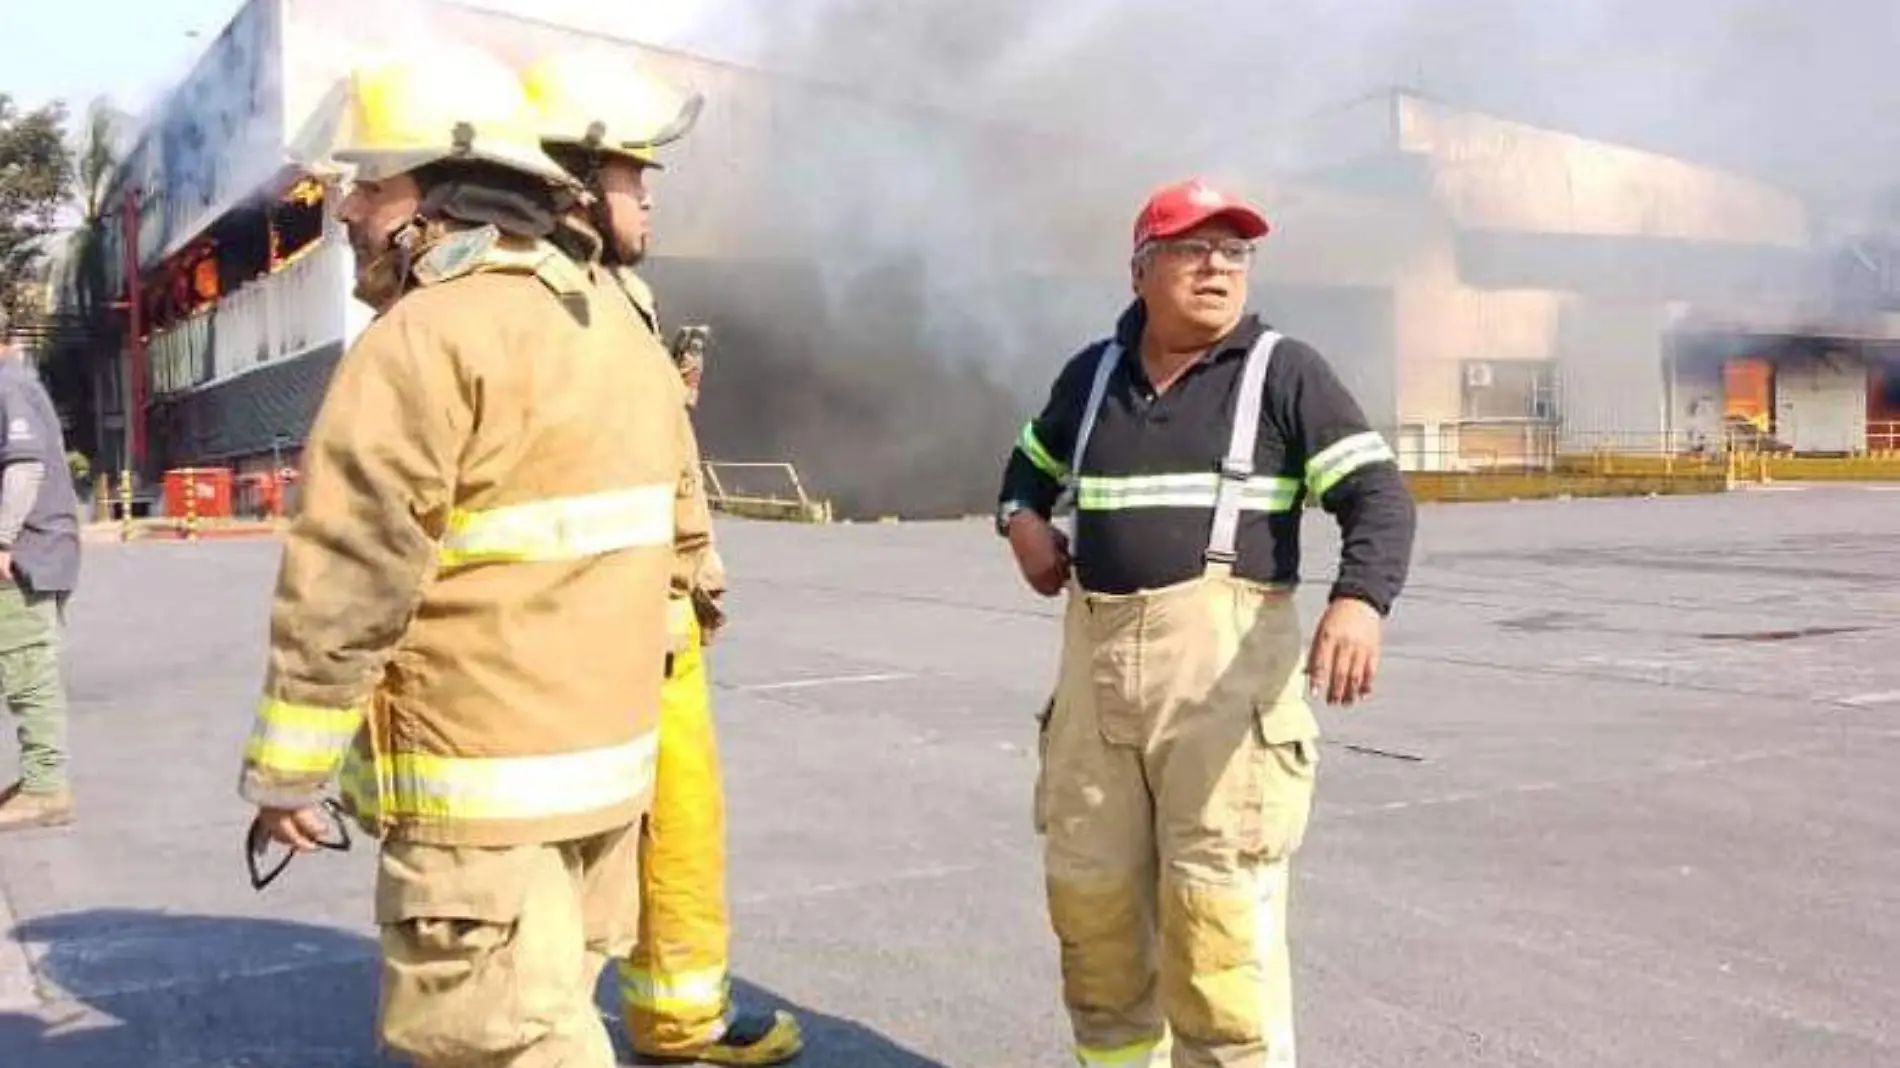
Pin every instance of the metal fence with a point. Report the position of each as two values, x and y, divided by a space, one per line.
1478 445
1493 459
762 490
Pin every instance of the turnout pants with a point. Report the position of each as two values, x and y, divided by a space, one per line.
491 956
674 985
1176 781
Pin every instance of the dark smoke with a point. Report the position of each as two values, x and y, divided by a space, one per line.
842 384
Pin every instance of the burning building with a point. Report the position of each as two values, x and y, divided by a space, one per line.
892 286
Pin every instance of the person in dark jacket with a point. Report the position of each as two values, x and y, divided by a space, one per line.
1178 751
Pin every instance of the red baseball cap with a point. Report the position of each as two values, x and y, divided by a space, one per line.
1181 206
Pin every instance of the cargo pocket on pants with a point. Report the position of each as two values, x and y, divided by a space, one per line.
1282 797
465 972
1115 685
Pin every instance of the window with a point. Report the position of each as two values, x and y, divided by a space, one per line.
1510 389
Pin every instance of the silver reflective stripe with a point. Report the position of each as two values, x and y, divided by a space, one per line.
1194 489
410 785
677 993
1237 468
561 528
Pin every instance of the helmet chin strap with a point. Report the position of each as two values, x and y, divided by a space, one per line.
602 218
386 277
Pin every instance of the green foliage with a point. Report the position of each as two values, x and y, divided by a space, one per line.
36 176
94 163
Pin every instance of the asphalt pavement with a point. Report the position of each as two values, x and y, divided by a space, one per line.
1626 796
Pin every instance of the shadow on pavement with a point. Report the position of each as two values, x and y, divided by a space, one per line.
830 1042
144 989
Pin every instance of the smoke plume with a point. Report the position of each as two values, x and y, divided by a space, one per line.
956 268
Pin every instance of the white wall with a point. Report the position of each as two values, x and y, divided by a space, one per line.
1610 359
1821 403
1494 174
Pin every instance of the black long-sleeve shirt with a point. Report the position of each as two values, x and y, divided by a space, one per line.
1145 505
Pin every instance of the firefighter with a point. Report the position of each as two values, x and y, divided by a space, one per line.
604 120
469 623
1178 750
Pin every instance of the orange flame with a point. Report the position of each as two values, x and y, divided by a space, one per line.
306 192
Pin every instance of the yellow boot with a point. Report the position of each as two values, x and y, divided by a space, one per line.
749 1038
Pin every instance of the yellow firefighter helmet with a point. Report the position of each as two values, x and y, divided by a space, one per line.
442 103
599 102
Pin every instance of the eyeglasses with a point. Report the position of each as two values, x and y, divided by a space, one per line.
1234 250
258 844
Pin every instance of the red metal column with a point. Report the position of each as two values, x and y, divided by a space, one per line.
134 334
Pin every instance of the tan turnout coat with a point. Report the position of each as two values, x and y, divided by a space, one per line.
470 621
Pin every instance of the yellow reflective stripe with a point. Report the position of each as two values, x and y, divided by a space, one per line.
1133 1055
1343 457
561 528
1044 460
682 992
430 786
300 739
1262 493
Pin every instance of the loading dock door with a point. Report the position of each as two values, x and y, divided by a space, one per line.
1821 404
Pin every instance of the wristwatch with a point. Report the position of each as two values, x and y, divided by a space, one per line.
1004 513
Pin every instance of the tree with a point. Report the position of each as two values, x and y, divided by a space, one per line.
36 173
95 160
86 334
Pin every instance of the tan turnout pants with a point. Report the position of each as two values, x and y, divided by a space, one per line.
491 956
1178 762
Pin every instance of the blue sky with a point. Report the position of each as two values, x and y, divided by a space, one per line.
131 50
74 50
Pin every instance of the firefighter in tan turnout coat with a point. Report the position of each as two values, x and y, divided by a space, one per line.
604 120
469 626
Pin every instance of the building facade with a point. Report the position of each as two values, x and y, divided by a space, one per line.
891 286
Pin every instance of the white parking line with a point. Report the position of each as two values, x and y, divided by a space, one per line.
1862 700
834 680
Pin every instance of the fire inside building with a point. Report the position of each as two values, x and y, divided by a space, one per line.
1496 293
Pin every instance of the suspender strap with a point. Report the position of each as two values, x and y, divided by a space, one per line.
1104 366
1237 468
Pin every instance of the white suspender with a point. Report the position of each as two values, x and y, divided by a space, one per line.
1237 468
1104 366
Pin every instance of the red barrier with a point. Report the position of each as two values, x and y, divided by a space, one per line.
209 489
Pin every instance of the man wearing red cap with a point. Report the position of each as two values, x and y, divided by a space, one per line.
1178 750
